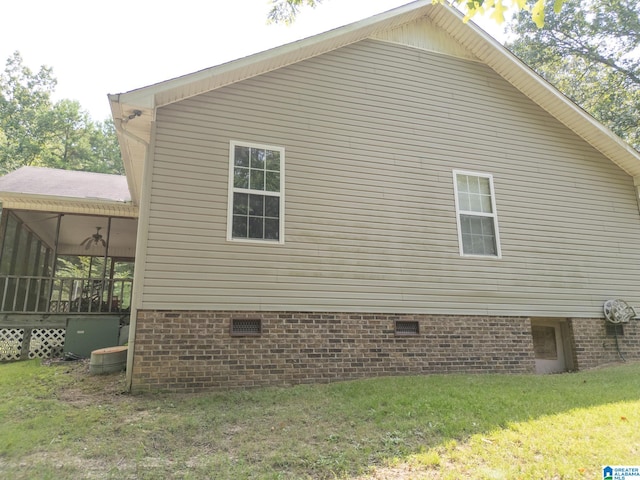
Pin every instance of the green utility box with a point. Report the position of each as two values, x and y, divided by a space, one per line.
86 334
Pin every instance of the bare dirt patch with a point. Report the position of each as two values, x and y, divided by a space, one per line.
87 389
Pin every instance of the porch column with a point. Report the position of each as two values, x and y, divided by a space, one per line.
55 260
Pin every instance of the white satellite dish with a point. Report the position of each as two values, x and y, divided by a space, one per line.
618 311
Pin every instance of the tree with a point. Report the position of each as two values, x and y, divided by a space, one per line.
36 131
25 113
591 53
79 143
106 148
287 10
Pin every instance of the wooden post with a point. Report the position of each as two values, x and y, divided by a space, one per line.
26 341
104 266
55 261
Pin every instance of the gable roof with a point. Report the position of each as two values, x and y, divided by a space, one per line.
69 191
134 111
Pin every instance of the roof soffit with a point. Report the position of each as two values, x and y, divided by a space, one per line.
210 79
22 201
402 25
512 69
134 112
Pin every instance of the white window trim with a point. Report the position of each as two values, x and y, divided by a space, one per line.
493 215
232 190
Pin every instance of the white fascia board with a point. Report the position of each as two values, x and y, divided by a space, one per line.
478 42
186 86
131 128
544 94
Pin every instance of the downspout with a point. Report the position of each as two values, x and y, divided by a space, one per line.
120 123
636 184
141 244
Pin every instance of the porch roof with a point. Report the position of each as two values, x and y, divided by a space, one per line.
66 191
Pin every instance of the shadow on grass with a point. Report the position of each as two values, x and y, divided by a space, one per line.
337 430
345 428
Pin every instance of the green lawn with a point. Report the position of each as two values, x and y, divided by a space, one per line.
58 422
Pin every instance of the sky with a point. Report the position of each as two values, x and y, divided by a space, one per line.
98 47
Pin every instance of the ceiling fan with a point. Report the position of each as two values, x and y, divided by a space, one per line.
94 239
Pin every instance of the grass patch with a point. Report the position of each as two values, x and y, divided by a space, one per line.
59 422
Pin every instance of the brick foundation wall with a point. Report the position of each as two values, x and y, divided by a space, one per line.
188 351
593 347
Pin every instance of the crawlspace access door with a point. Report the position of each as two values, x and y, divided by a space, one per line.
550 345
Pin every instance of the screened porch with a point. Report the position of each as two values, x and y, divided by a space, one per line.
65 263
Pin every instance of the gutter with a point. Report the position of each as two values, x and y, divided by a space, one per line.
86 206
636 184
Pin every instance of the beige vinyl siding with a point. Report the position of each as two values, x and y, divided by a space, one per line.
424 33
372 133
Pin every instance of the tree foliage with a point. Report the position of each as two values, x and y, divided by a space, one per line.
286 10
36 131
590 52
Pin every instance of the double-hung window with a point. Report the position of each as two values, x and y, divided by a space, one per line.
476 214
256 201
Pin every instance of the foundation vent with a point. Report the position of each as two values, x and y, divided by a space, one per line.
407 327
614 330
246 327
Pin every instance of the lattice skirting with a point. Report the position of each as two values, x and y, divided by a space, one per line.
11 343
46 342
42 343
